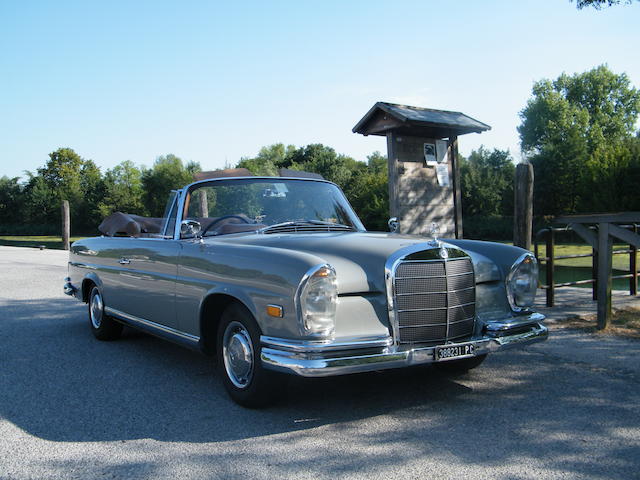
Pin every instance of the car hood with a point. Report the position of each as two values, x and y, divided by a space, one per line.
358 257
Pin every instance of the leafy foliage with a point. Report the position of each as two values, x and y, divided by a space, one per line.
168 173
365 184
486 180
578 132
599 4
123 190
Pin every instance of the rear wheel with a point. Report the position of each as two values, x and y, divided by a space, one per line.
458 367
102 326
238 358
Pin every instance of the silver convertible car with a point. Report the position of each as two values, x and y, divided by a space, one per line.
278 275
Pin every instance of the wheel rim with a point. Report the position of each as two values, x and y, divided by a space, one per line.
237 353
96 309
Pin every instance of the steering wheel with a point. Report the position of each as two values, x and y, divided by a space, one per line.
219 219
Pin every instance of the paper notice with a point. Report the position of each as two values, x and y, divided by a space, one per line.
442 172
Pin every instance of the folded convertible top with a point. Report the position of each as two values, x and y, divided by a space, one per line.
120 224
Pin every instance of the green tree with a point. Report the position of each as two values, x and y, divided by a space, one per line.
168 173
364 184
324 160
486 183
269 160
123 190
599 4
368 192
65 176
11 200
41 203
569 128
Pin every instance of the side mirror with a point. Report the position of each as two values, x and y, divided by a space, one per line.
189 228
394 224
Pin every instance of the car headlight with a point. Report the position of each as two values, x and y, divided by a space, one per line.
317 300
522 282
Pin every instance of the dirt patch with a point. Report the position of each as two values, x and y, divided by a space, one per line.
625 323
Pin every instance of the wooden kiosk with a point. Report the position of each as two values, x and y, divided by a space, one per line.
424 175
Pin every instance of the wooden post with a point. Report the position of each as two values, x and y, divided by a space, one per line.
523 206
204 203
550 253
392 161
633 266
457 194
604 276
594 273
66 224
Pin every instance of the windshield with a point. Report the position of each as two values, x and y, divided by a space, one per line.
231 206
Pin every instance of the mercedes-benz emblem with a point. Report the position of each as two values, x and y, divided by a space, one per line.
443 253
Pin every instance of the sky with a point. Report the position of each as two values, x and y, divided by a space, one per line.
213 82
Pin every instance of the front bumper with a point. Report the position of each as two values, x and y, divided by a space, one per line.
314 361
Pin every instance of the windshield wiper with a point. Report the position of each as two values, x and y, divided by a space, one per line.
302 223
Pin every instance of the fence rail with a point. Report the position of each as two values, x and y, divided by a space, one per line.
549 237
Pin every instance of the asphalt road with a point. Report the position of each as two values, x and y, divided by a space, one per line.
74 407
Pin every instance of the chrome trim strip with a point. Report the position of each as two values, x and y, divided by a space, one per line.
437 324
434 276
307 366
514 322
324 346
431 247
446 296
435 308
436 293
148 323
180 199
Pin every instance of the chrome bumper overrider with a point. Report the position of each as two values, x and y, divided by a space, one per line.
314 362
68 288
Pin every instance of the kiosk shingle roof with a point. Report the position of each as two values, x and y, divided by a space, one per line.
384 117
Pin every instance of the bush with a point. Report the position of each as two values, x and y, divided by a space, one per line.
30 229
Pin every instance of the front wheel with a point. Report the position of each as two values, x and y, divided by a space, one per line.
102 326
458 367
238 355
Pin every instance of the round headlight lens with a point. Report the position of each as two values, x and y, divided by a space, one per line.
522 282
318 300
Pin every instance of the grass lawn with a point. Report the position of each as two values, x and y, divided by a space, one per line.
34 241
573 269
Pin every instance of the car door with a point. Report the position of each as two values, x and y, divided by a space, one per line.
147 278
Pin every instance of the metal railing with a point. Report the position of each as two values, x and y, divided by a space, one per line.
549 236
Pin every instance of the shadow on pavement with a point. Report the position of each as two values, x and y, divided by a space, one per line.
60 384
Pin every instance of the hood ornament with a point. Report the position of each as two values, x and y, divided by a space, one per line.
434 231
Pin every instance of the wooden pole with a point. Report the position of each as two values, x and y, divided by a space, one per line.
523 206
604 276
457 194
392 162
204 203
633 266
66 224
550 254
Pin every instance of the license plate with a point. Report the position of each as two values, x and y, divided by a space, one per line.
454 351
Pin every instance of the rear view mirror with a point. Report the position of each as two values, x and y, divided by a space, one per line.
189 228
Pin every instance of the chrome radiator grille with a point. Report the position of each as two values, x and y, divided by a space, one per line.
434 300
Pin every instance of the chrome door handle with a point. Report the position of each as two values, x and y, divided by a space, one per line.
124 261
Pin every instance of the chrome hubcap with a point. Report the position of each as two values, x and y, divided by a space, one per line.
95 310
237 353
